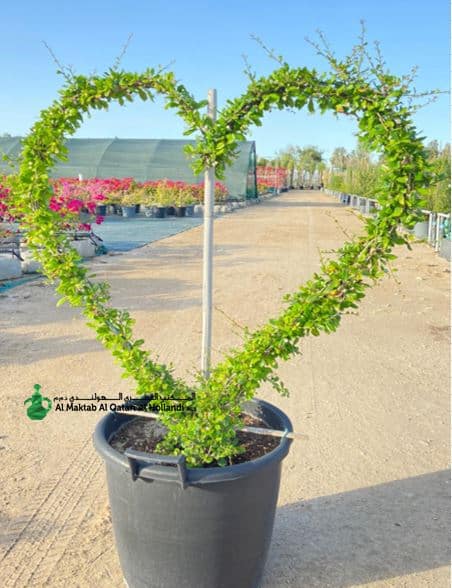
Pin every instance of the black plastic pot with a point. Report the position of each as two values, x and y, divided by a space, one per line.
170 210
192 527
129 211
190 210
160 211
179 210
101 209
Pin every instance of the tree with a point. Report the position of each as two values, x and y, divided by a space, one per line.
438 194
309 159
339 159
287 158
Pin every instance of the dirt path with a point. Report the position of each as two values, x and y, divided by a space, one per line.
364 501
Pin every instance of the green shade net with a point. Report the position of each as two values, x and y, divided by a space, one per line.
142 159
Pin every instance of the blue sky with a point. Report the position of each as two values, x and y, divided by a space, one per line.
206 40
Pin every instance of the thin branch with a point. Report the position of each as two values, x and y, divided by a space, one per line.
249 72
393 276
232 320
162 68
326 52
270 52
379 55
338 224
362 44
67 71
123 51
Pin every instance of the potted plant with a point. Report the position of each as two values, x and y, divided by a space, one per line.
146 193
171 195
129 204
183 193
113 191
189 200
163 199
221 193
113 202
186 510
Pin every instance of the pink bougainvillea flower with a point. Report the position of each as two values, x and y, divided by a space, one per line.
75 205
54 204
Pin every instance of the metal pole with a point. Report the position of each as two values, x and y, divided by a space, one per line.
209 197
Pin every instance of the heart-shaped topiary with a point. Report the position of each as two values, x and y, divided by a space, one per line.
372 95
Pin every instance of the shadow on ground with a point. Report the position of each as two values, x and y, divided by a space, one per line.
21 348
362 536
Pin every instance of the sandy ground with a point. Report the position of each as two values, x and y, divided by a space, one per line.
364 501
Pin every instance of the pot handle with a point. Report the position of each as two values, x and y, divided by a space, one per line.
152 466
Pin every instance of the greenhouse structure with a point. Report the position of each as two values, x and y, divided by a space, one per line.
142 159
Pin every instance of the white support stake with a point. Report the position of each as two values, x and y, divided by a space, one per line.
430 228
209 198
437 232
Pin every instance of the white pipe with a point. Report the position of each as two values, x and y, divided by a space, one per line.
209 198
438 227
431 217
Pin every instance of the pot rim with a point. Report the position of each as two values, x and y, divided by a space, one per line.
195 476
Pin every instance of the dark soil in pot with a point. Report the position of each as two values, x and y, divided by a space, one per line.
144 434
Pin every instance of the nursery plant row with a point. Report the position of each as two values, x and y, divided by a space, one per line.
435 229
83 202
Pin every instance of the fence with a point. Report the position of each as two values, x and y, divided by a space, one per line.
434 229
